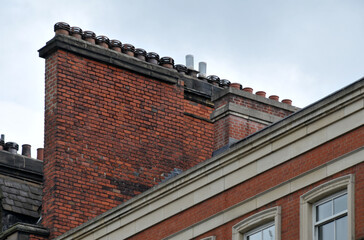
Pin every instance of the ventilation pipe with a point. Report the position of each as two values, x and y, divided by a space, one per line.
202 69
189 61
2 142
190 66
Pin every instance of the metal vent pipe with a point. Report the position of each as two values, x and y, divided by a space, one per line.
189 61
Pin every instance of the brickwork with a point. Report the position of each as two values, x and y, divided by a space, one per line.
111 134
233 127
289 204
35 237
115 130
116 126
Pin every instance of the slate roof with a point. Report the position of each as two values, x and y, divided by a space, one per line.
21 197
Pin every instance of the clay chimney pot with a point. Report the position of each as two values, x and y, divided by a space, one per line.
236 85
287 101
274 97
40 154
261 93
248 89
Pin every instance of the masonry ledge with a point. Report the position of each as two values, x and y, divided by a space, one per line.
98 53
24 228
244 112
20 166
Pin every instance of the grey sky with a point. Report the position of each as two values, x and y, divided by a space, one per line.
301 50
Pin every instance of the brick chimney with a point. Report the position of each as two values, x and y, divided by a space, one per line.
117 123
240 113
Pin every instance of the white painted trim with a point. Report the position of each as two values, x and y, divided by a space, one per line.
258 219
323 191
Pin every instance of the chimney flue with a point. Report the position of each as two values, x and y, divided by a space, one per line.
26 150
40 154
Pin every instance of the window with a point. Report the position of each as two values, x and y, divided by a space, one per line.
330 217
327 211
266 232
264 225
209 238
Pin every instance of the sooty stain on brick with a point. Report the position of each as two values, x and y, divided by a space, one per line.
126 187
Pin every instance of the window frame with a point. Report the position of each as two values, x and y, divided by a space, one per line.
209 238
316 224
263 218
318 194
258 229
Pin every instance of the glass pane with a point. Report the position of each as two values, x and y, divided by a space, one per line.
255 236
323 211
326 232
268 233
342 228
340 204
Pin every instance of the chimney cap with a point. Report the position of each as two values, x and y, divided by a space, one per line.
61 26
115 43
102 39
11 145
224 83
89 34
128 48
167 60
140 51
76 30
181 68
213 78
152 55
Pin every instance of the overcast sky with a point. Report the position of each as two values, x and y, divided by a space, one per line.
298 49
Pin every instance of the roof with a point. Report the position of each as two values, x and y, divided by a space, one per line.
21 197
21 184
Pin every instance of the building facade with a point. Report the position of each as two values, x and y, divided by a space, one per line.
139 148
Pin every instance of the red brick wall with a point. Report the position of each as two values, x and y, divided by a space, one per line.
289 204
231 127
111 134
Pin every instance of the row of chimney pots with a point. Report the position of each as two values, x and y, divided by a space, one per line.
151 57
13 147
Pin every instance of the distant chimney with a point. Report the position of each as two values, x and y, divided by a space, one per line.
202 69
26 150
